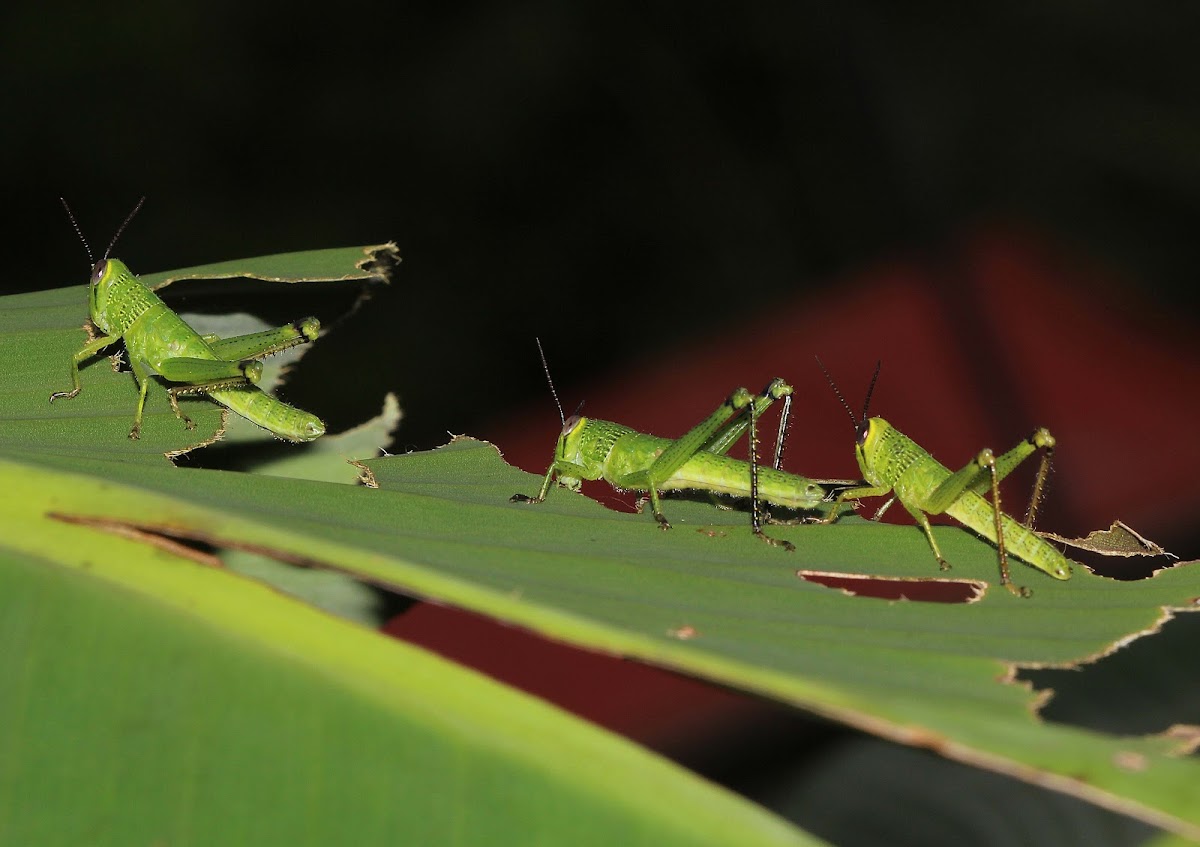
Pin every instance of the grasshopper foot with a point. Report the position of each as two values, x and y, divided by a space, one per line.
135 433
174 397
943 564
67 394
524 498
663 523
1018 590
776 542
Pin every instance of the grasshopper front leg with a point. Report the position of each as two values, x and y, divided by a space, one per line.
570 473
857 492
90 349
541 495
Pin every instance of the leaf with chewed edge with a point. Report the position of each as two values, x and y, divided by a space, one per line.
42 330
150 698
440 525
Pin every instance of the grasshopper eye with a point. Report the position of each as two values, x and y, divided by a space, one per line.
569 424
863 429
98 270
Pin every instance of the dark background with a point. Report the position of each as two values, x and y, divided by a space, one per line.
1000 202
614 177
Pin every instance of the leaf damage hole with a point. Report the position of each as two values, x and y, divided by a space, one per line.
202 547
195 550
197 545
919 589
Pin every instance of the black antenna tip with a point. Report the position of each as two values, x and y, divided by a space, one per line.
871 388
121 228
562 419
833 385
78 231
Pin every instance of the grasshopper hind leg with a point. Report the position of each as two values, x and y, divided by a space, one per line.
251 372
1044 441
988 460
173 395
757 509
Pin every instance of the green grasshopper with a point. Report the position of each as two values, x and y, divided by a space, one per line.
159 342
630 460
891 462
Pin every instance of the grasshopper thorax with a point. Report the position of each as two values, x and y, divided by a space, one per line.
885 454
586 446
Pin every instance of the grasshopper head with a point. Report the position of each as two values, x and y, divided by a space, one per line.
107 274
570 449
871 434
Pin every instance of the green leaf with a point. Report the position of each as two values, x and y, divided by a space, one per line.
328 459
706 599
927 674
924 674
151 699
151 696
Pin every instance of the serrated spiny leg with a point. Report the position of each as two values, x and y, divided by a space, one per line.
756 506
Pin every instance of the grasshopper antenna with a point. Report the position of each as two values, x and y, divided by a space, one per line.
78 231
836 391
111 244
871 388
546 368
121 228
